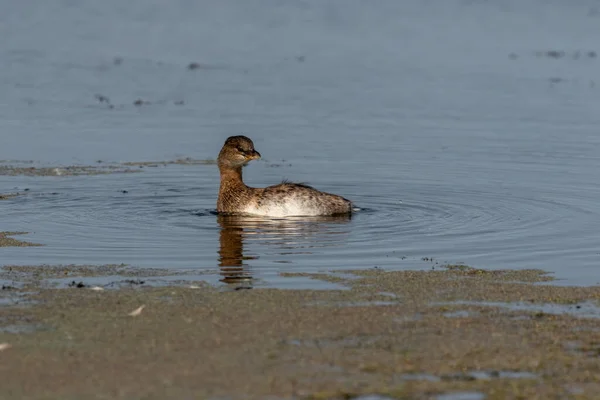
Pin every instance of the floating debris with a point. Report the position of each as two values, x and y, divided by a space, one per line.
555 54
137 311
134 281
5 346
102 99
140 102
558 54
77 285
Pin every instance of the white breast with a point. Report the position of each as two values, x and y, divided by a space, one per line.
291 207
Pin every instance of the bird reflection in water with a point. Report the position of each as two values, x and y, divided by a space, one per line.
290 235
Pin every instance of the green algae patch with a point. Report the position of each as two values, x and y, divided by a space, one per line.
7 241
208 342
525 275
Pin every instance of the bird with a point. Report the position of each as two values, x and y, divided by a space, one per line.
286 199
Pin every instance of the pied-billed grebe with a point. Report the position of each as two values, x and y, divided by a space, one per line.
285 199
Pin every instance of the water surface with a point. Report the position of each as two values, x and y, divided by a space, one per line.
467 132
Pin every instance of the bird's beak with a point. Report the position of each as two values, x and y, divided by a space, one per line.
255 155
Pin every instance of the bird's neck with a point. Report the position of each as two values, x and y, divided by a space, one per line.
231 176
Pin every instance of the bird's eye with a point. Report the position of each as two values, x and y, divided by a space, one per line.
240 149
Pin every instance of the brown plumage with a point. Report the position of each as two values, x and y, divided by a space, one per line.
285 199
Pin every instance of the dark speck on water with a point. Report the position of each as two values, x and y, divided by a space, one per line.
135 281
555 54
102 99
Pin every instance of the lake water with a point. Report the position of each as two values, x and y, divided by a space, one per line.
467 131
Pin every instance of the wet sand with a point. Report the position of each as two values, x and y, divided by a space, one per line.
416 334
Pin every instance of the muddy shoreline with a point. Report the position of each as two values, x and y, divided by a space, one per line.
417 334
25 168
7 241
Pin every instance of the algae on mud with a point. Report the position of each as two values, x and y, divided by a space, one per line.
7 196
71 170
6 241
37 273
179 161
206 342
102 168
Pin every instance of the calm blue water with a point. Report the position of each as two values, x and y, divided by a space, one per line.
448 121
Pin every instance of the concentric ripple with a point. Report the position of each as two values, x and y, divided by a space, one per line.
174 225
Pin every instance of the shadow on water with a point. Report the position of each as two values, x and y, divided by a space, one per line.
288 235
